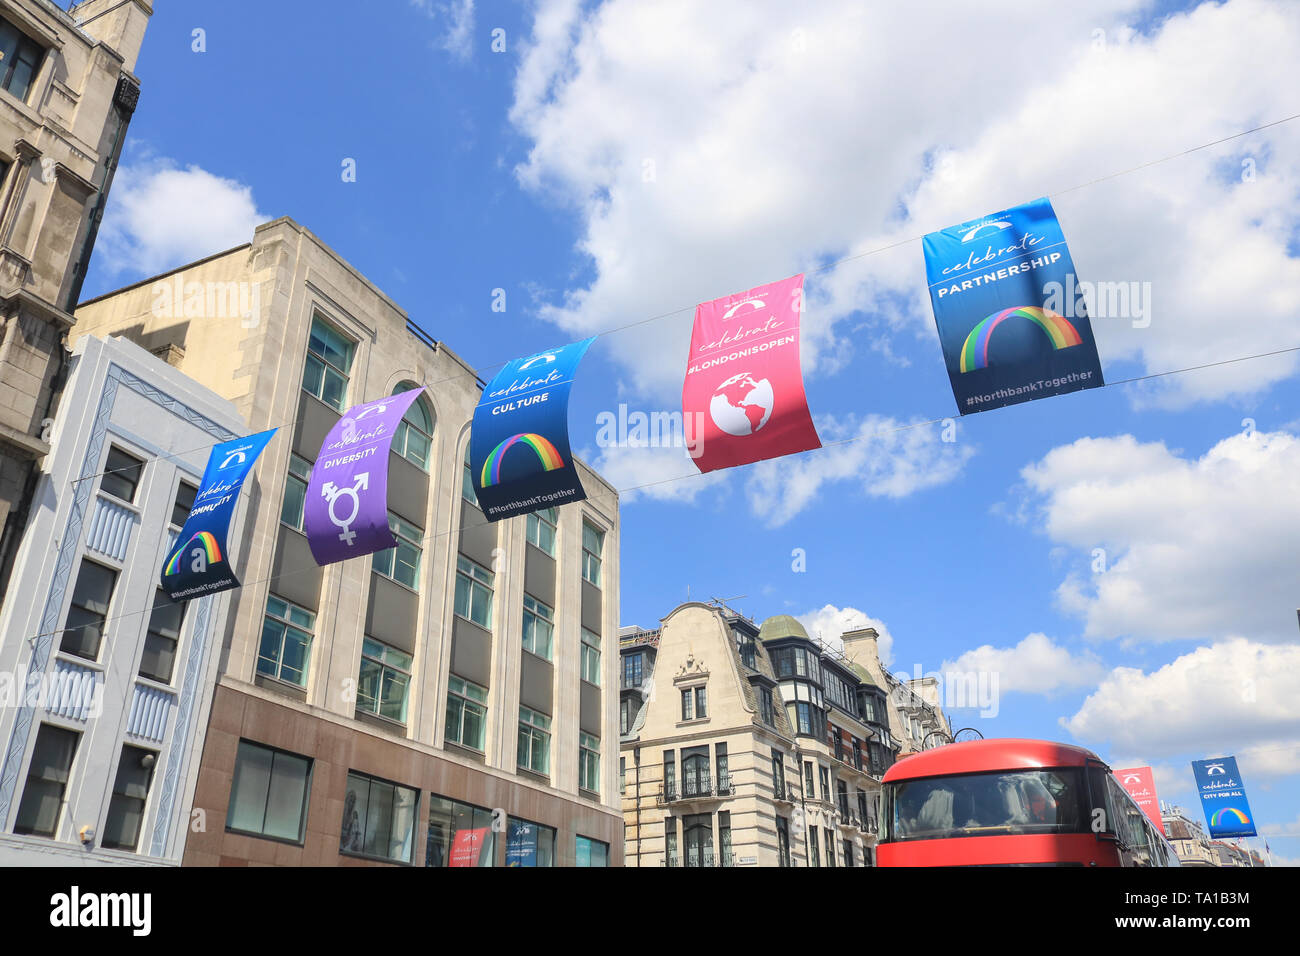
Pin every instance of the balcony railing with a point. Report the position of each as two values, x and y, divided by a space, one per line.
725 786
698 858
695 787
782 793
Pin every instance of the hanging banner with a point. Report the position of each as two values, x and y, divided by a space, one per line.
199 562
743 398
1010 311
1223 798
346 510
519 442
1140 784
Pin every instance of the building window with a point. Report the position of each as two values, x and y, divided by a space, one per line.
862 807
670 842
460 834
720 766
268 795
591 657
783 841
842 796
826 784
47 779
813 849
414 437
622 776
474 592
869 708
88 613
385 676
697 837
529 844
857 754
809 791
158 661
539 629
593 544
286 641
724 838
778 775
466 713
534 741
402 563
830 847
624 716
467 481
378 819
295 491
122 472
329 360
670 775
130 792
589 762
184 502
20 60
848 852
591 852
694 704
695 772
766 709
541 529
632 665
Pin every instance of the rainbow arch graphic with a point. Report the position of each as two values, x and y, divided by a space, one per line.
975 351
1222 815
210 545
546 454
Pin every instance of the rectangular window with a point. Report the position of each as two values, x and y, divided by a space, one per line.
813 849
688 704
724 839
474 592
20 60
778 775
47 780
624 716
670 775
295 491
286 641
593 544
809 791
591 852
158 661
268 794
378 819
622 775
460 834
830 847
783 841
700 709
329 360
467 481
589 762
670 842
121 476
185 493
466 713
385 677
534 741
529 844
88 613
130 792
826 784
848 852
541 529
720 767
402 563
591 657
632 664
766 709
842 796
539 629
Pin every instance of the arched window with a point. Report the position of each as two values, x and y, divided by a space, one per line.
414 438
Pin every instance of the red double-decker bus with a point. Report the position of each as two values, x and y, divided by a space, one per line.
1013 803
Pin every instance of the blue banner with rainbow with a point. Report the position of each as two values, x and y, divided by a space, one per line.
519 442
199 562
1011 314
1223 798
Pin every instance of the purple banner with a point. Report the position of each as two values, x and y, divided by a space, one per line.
346 512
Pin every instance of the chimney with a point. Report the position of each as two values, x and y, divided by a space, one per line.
861 641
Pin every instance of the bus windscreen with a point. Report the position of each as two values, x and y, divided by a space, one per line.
987 804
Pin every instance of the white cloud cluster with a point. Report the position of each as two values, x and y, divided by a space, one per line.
1186 548
1206 702
456 19
160 216
1037 665
885 457
829 622
711 147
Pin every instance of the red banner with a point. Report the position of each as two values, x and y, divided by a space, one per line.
1141 786
743 393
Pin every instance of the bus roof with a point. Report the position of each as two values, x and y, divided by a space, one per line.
976 756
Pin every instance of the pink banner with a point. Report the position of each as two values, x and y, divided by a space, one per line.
743 399
1141 786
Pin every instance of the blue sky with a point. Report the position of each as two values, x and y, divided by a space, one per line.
618 161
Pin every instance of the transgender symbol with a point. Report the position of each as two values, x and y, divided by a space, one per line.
332 493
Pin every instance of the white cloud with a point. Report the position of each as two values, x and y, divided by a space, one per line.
457 20
1233 697
658 473
830 622
160 216
1192 548
1036 665
886 457
711 147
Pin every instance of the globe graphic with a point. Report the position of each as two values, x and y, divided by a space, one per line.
742 404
